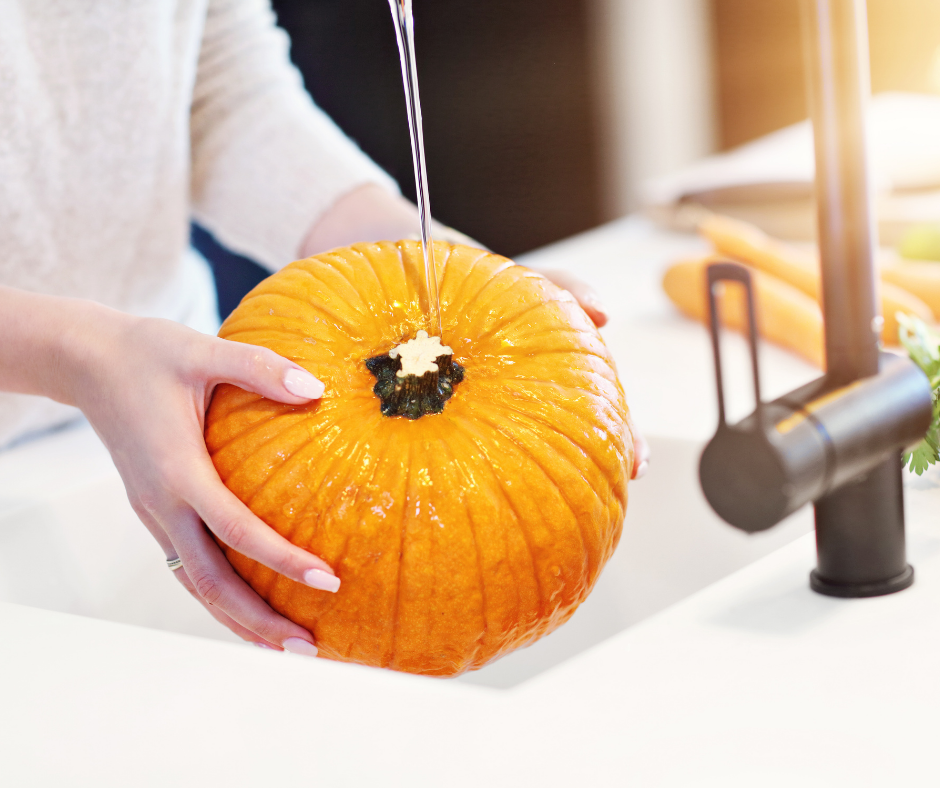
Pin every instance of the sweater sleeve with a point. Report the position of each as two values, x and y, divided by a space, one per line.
266 161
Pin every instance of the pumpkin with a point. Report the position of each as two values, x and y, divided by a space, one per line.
468 509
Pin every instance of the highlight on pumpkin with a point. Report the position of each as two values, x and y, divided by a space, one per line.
467 510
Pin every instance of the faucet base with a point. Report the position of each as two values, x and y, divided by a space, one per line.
892 585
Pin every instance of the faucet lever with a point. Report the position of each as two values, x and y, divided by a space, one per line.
732 272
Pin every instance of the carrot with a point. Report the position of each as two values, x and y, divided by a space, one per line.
920 278
750 245
785 315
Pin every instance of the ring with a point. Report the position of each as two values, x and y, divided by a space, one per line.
174 563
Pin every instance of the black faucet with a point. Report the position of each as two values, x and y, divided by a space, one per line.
836 441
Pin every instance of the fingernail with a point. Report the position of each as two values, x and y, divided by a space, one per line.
264 645
301 383
317 578
641 469
299 646
595 302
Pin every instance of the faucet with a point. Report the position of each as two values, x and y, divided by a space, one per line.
837 441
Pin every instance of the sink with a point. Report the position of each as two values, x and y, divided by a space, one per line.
672 546
70 542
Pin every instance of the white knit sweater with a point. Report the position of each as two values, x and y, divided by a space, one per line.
120 120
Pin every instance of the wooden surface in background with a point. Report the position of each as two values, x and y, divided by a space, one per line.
759 59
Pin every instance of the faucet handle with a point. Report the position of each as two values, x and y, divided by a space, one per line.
732 272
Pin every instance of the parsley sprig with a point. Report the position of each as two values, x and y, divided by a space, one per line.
923 346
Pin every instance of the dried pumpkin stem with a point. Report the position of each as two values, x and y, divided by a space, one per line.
415 378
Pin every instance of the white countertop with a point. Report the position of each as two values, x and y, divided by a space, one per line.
751 680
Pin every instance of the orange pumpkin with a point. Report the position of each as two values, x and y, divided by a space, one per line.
458 535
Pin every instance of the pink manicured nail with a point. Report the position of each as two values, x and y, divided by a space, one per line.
299 646
301 383
595 303
264 645
317 578
641 469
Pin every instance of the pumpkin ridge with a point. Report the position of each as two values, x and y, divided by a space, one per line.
232 470
393 648
298 457
547 423
578 332
602 392
496 278
328 332
471 269
447 276
505 641
341 326
343 552
375 275
510 322
556 351
555 383
529 455
341 269
302 517
414 273
353 463
472 438
281 292
217 447
441 263
587 455
478 647
379 268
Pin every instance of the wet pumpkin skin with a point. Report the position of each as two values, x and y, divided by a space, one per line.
458 536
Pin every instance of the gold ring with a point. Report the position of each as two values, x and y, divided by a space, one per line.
174 563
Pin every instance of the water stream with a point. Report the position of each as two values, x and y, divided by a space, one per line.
404 32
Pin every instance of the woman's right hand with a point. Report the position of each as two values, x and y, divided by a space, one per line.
144 385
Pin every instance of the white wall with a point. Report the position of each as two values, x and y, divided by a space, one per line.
653 66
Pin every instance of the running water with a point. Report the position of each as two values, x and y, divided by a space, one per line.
404 31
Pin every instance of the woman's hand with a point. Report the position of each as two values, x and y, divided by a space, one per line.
145 384
145 389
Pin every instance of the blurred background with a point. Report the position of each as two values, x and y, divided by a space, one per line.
543 118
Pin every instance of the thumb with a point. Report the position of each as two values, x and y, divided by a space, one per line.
583 293
264 372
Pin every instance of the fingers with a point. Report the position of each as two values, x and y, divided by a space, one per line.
641 462
210 578
220 616
194 564
583 293
263 372
236 526
443 232
641 450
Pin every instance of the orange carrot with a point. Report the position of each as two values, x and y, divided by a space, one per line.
750 245
785 315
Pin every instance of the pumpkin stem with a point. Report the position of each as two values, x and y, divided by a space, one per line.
416 377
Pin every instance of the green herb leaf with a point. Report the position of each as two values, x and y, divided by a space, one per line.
923 346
